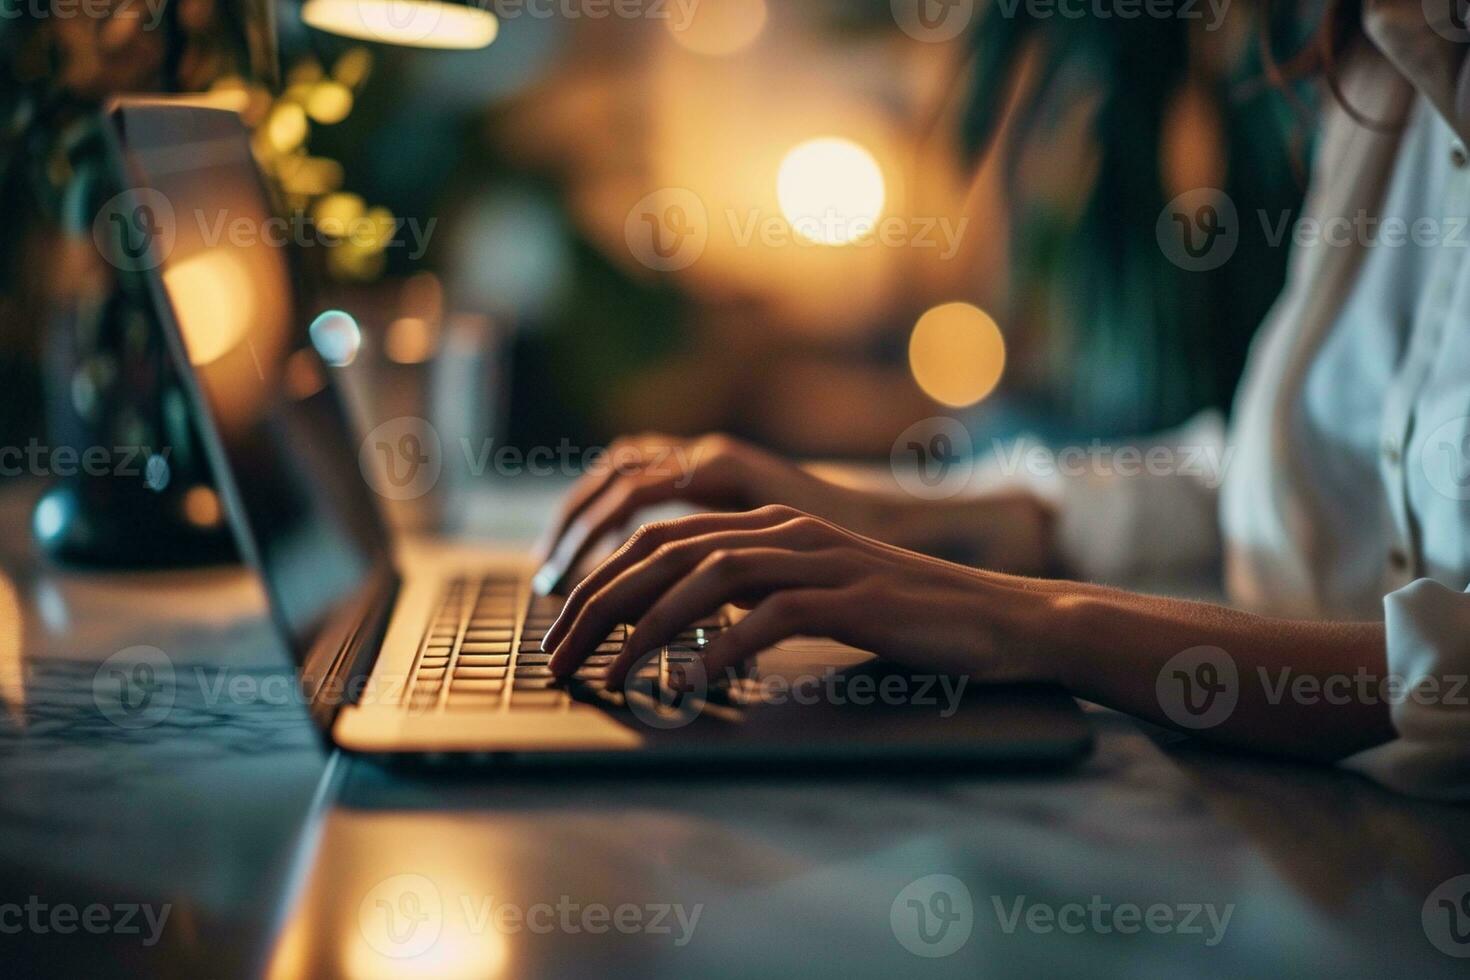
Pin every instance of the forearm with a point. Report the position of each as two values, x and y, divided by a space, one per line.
1310 689
1009 531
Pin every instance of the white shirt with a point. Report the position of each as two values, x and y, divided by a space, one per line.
1344 480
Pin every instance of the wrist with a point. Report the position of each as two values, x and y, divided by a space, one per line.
1054 622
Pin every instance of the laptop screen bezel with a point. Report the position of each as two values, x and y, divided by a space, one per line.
344 644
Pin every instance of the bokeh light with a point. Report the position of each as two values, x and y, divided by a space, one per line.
336 337
831 191
718 27
419 24
957 354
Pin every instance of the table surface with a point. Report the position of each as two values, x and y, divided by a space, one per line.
270 854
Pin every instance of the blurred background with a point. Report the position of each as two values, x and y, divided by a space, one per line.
997 187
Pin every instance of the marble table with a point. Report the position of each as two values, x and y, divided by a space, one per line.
227 840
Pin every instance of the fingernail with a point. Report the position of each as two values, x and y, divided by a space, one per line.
545 579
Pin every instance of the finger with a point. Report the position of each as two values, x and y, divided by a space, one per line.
784 614
620 503
646 541
722 576
632 592
624 456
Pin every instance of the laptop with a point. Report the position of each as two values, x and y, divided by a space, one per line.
435 653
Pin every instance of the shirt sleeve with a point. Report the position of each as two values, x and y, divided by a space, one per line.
1428 630
1127 512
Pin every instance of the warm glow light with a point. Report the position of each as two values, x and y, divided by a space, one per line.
286 129
410 340
12 650
831 190
329 102
718 27
201 506
214 301
957 354
413 23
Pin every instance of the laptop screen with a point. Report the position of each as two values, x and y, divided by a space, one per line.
198 221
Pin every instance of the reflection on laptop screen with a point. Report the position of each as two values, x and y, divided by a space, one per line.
299 503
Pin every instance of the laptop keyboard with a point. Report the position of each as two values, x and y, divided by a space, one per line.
482 651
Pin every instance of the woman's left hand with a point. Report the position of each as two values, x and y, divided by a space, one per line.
800 575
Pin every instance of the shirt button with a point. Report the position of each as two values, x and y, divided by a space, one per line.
1391 452
1458 156
1397 560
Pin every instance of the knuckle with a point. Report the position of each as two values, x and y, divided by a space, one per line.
721 561
666 552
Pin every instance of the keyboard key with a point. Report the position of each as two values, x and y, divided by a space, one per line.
534 683
599 660
614 647
484 660
534 659
484 648
537 699
488 636
479 673
532 671
482 686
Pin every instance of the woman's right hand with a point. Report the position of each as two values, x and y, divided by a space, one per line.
721 473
